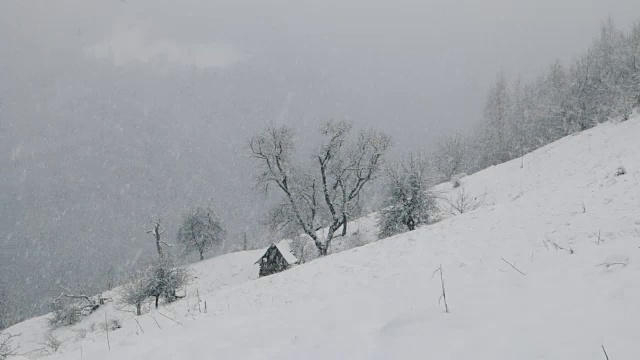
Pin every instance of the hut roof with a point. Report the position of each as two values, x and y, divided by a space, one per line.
285 250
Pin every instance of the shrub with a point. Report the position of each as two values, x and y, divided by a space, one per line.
81 334
65 312
408 202
160 279
111 325
461 202
68 309
51 343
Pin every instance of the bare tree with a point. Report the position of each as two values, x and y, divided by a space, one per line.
346 169
273 149
201 231
157 232
326 194
450 158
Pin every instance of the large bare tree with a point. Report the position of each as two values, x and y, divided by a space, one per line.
325 194
201 231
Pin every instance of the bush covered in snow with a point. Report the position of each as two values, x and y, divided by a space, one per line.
134 292
68 309
408 202
159 279
65 313
111 325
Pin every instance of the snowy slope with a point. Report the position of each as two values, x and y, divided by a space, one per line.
380 301
206 277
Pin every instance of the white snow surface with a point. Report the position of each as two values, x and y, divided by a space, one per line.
380 301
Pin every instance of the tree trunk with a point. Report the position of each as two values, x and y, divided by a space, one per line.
158 246
156 234
411 225
344 225
201 256
138 309
323 248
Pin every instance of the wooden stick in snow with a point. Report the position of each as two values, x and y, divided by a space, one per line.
198 294
140 326
510 264
443 296
599 237
154 319
607 265
605 352
106 327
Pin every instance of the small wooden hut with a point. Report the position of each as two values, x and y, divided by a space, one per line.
277 258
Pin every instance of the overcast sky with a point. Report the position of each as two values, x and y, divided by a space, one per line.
425 64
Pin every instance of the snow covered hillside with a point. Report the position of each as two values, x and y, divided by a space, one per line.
546 267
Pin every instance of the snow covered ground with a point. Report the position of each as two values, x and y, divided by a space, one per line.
567 294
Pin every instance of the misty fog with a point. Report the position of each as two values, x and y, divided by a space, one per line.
116 113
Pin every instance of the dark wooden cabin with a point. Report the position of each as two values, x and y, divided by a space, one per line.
277 258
